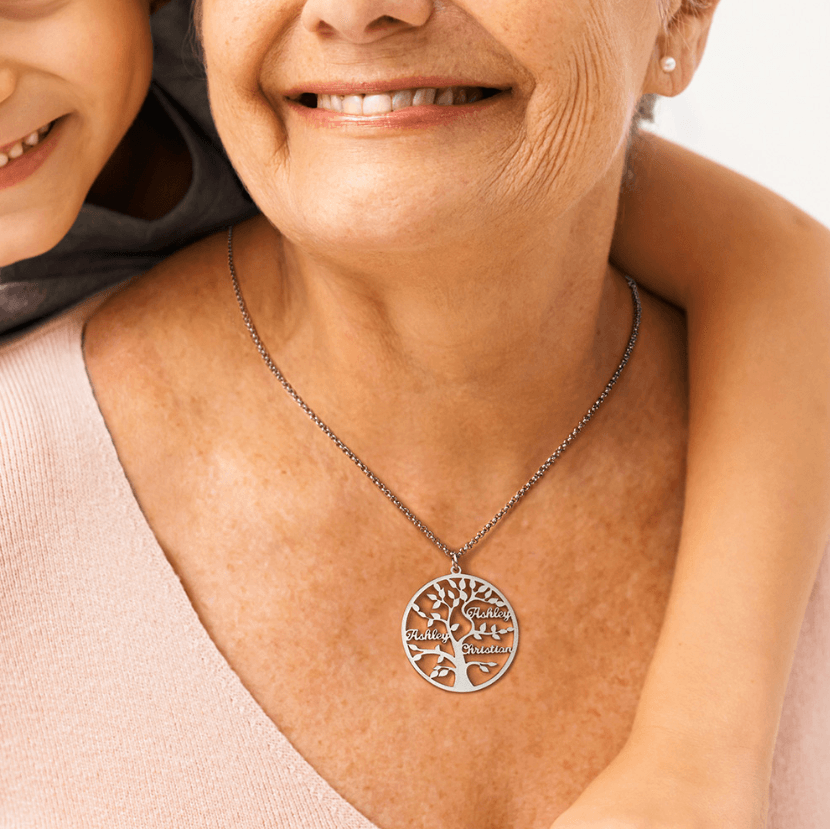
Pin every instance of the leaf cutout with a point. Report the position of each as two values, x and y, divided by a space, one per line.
432 597
412 646
454 627
484 668
477 636
451 594
436 604
436 615
496 636
417 657
462 584
464 595
444 672
433 674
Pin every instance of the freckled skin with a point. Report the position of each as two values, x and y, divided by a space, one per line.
443 299
578 70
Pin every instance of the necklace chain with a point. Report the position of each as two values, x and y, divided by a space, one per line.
535 478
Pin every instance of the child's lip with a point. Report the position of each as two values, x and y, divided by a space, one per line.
19 169
41 129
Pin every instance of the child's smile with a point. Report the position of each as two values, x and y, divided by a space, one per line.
18 148
21 158
73 76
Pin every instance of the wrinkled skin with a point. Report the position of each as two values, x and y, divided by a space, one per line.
576 70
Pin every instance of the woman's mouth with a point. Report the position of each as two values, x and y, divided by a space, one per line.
11 152
385 102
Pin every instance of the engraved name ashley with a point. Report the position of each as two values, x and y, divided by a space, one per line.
437 636
490 613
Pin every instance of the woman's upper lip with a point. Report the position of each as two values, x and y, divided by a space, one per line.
354 87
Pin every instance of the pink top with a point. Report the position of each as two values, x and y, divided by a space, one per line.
116 708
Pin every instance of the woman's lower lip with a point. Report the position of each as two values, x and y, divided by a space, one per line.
29 163
410 117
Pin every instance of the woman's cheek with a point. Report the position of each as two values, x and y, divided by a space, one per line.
578 118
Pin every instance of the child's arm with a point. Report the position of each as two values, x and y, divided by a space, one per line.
753 273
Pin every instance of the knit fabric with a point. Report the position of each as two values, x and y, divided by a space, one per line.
116 708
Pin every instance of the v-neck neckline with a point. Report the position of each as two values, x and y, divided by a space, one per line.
252 715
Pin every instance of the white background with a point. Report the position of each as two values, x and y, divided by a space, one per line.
760 102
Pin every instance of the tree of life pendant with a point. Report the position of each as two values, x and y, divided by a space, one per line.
460 633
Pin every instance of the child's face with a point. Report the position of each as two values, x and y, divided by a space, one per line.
73 75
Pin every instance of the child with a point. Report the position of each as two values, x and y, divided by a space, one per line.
716 695
73 77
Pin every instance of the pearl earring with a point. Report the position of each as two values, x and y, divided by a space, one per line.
668 64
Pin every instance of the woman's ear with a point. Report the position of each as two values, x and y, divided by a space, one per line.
678 49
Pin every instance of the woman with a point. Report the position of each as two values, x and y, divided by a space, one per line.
445 337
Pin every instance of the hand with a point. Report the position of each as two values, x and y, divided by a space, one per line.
662 783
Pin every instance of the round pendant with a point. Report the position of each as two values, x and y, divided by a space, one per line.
460 633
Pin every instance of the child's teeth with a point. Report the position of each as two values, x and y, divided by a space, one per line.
25 144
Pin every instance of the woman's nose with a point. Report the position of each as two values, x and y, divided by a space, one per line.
364 21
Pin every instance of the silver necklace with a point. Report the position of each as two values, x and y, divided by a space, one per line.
459 631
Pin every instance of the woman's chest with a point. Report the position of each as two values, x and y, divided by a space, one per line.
308 613
300 571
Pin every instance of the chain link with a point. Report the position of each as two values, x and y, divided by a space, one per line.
535 478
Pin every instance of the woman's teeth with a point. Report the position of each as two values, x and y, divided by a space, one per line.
24 145
380 104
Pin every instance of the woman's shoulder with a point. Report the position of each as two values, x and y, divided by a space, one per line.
164 326
189 279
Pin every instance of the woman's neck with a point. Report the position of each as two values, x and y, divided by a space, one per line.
488 353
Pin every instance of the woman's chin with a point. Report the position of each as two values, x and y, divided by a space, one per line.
381 227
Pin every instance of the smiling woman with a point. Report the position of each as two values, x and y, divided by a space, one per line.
428 291
561 118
